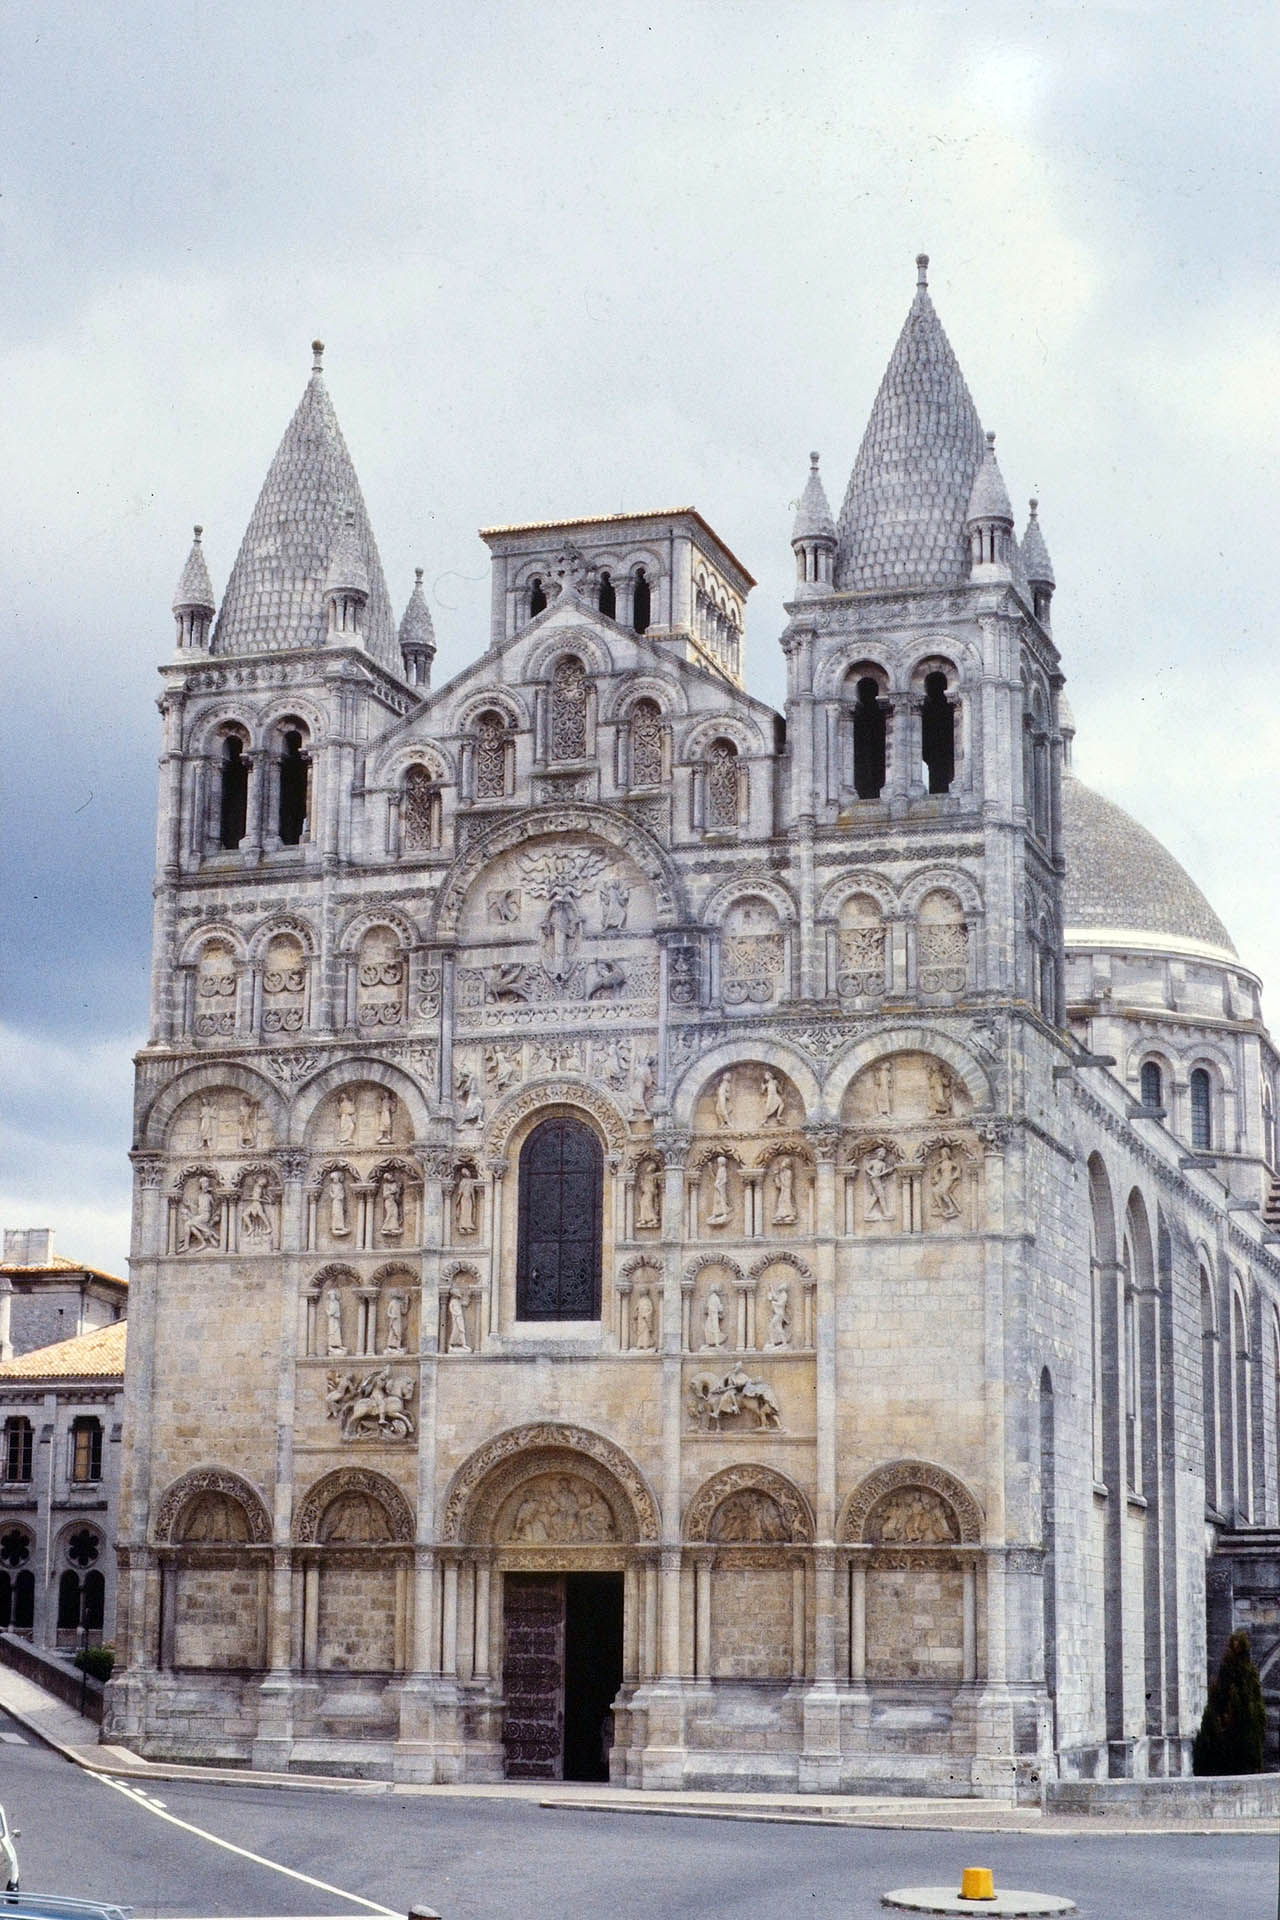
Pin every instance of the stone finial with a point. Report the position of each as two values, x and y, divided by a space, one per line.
317 356
922 272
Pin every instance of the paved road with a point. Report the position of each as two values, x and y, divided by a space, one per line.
491 1859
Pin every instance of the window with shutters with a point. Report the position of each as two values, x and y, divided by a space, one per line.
17 1449
561 1206
86 1448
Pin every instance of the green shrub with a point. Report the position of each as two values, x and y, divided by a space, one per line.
97 1662
1234 1722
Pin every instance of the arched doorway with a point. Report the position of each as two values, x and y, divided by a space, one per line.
551 1522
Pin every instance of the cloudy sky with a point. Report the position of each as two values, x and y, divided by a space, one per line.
569 259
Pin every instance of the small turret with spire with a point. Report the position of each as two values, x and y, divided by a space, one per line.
417 636
988 520
1039 567
346 583
193 601
813 537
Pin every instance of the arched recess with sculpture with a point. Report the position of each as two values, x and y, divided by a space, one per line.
913 1151
364 1186
548 1589
352 1605
749 1529
212 1534
911 1533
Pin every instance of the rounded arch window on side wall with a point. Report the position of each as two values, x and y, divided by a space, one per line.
721 780
868 710
421 811
937 733
570 694
1200 1097
234 768
492 756
1151 1086
641 601
646 759
561 1214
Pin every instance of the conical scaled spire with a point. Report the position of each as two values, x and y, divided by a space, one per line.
193 601
813 516
903 519
417 636
276 596
1035 554
989 497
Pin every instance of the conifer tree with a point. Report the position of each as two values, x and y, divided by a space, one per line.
1234 1722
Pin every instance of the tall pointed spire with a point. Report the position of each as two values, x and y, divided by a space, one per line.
813 537
1039 567
417 636
276 596
903 519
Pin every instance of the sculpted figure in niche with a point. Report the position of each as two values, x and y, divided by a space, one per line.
724 1100
713 1320
346 1119
614 900
386 1117
338 1222
877 1173
719 1214
248 1121
197 1226
503 1065
255 1221
333 1321
642 1323
643 1081
941 1089
649 1196
748 1518
779 1331
784 1191
774 1105
457 1341
943 1181
914 1517
605 980
397 1309
882 1080
208 1121
391 1192
464 1205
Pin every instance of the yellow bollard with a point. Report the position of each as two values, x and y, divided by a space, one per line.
977 1883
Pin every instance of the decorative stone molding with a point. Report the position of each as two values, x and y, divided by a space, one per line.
545 1094
910 1474
786 1496
542 1447
211 1480
345 1480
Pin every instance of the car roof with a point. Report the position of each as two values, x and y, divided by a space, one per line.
58 1906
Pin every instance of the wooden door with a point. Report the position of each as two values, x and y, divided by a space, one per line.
533 1606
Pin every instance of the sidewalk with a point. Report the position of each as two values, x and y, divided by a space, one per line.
76 1739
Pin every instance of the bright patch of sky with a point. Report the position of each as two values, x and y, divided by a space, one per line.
570 260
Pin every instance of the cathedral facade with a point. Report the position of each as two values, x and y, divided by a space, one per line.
675 1242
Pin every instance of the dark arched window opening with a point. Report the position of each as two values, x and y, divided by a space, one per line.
86 1448
24 1601
937 735
69 1601
17 1449
868 742
1201 1110
1152 1085
6 1600
93 1605
561 1203
537 598
608 600
233 808
295 770
640 602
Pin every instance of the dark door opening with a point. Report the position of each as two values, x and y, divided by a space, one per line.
561 1670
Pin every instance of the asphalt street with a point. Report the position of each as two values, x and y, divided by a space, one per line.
492 1859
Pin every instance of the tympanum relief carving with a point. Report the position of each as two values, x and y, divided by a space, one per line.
556 1509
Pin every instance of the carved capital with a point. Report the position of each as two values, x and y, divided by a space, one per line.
150 1171
293 1163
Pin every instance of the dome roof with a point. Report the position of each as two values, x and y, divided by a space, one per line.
1121 880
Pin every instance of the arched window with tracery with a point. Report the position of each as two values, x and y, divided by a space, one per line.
569 690
1200 1087
233 791
491 752
561 1207
420 812
943 944
1152 1082
723 786
645 738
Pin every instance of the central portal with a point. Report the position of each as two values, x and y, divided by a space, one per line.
561 1670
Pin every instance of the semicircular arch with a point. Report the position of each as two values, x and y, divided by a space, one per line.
485 1479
